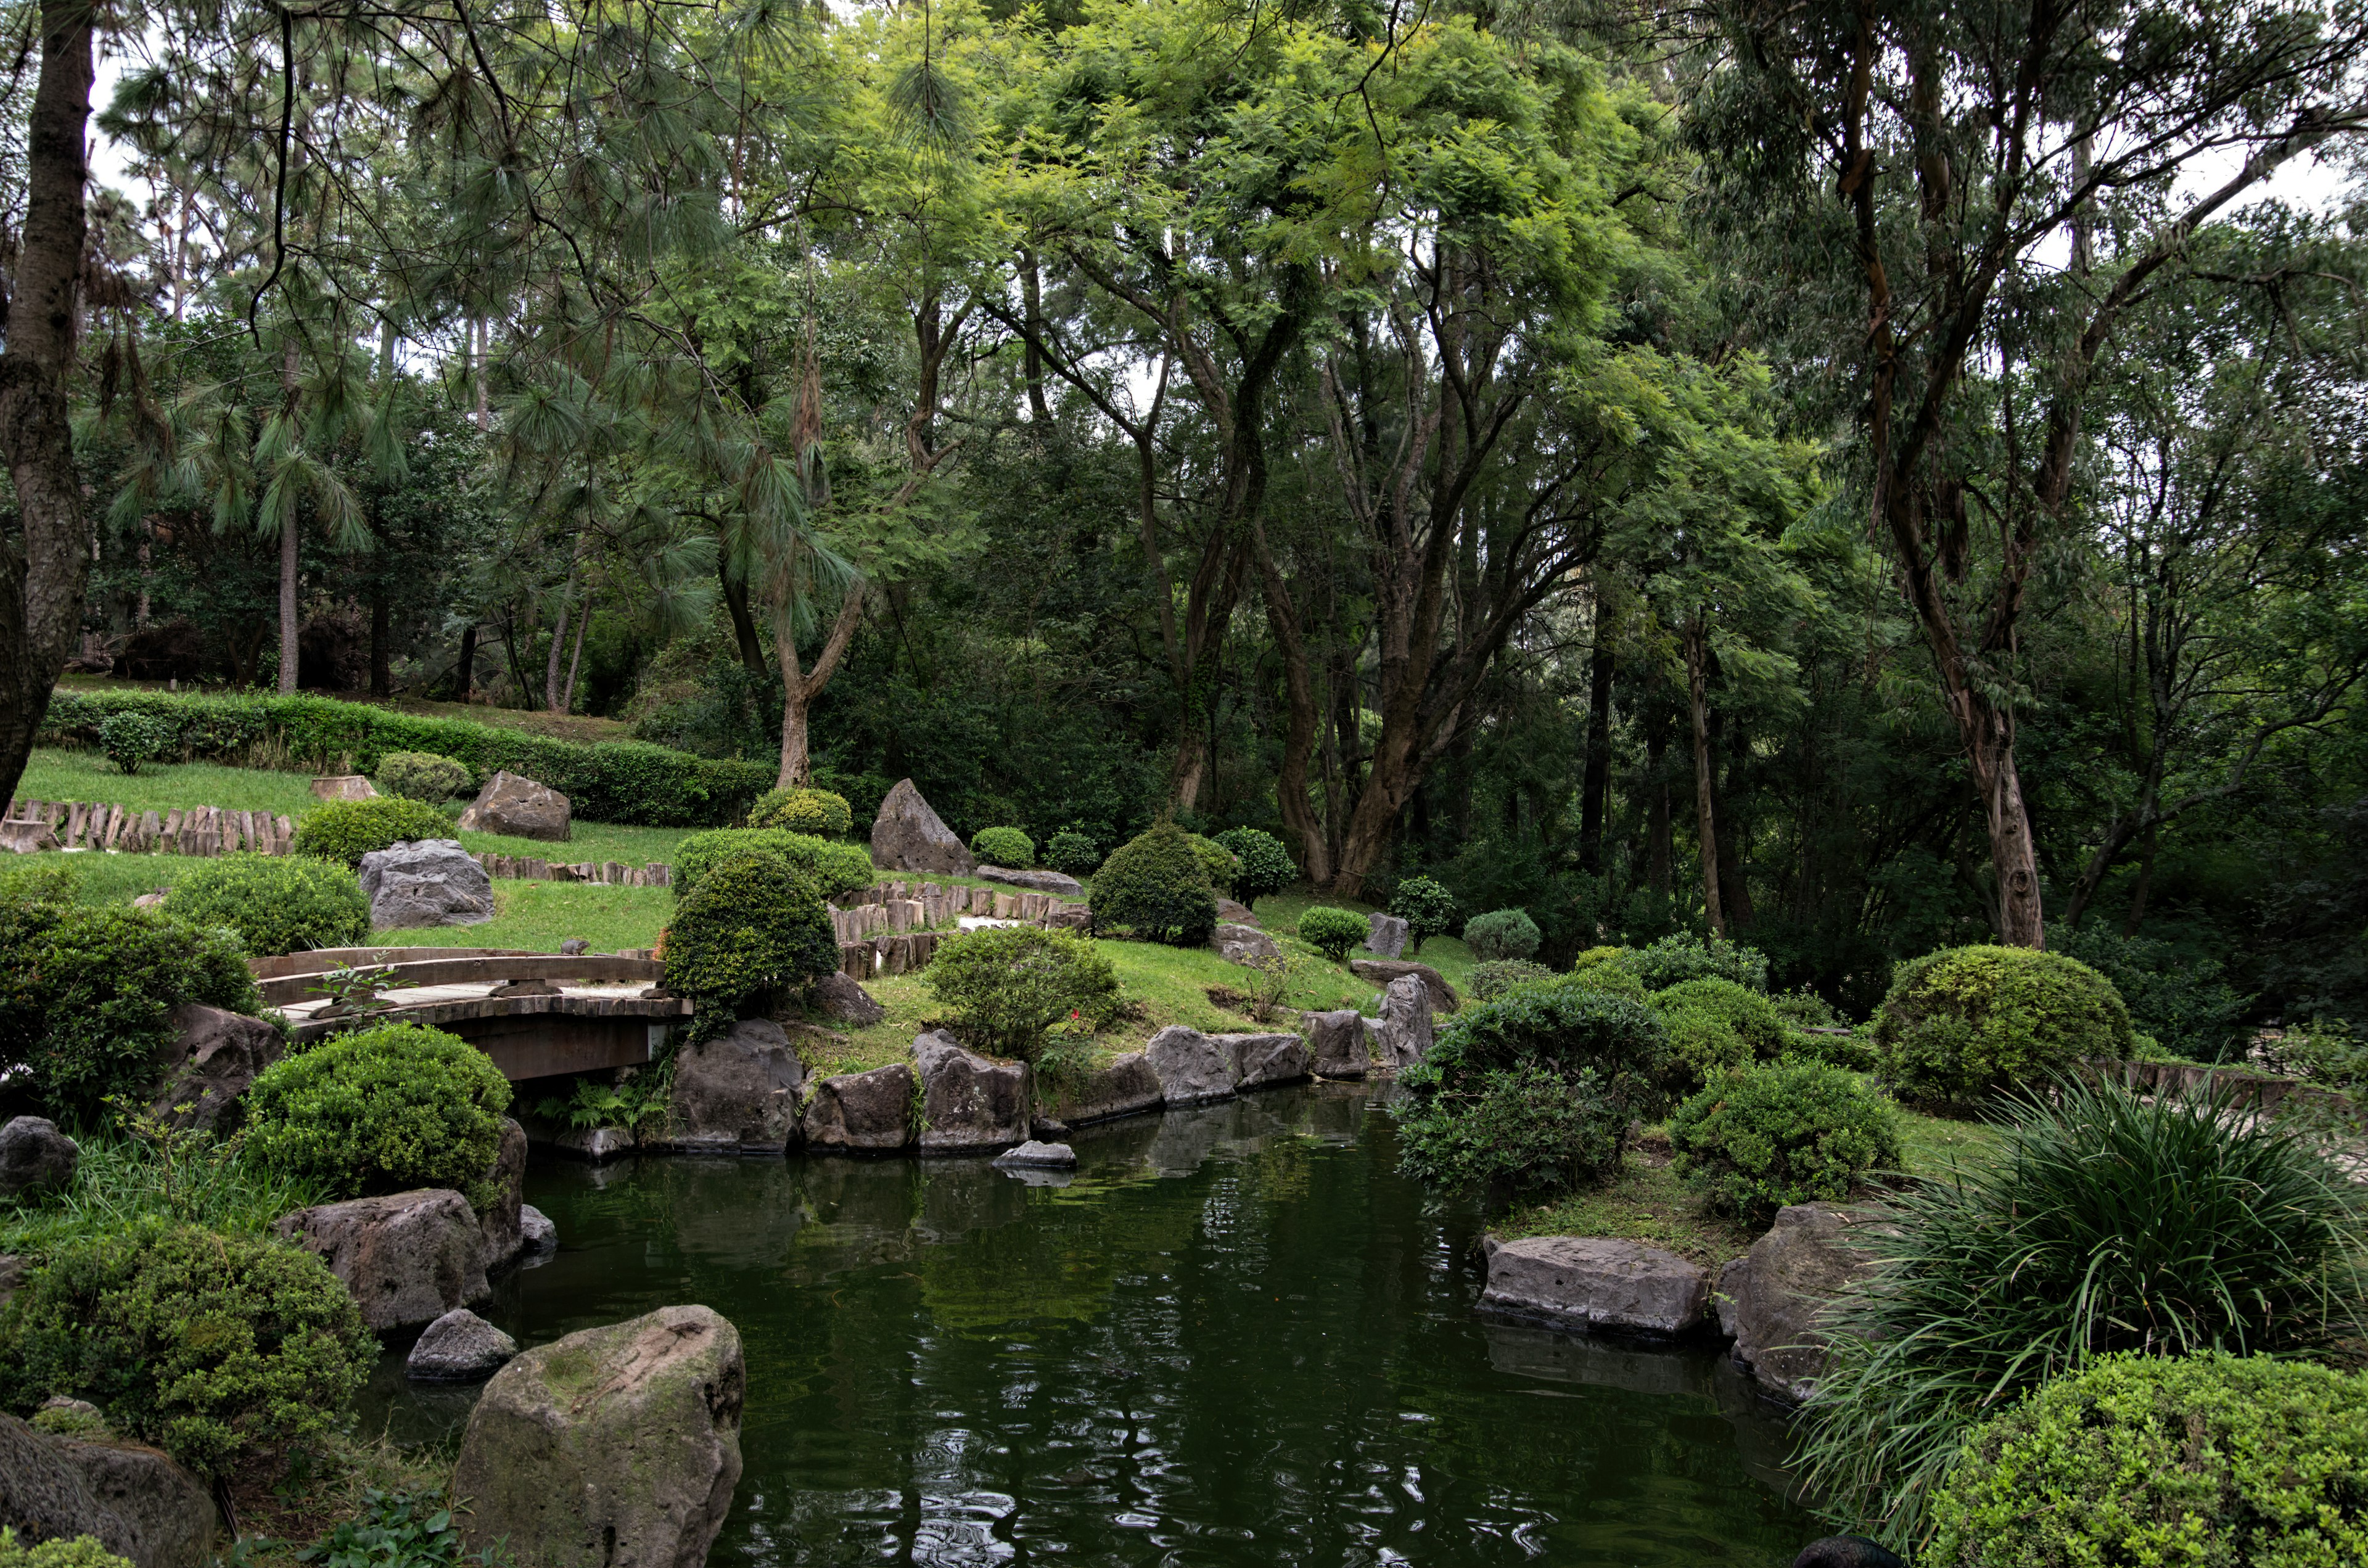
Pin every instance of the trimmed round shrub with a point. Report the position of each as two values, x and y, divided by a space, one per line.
1963 1023
384 1109
1564 1027
2201 1461
1071 852
833 868
1607 978
1673 961
211 1346
86 995
1853 1052
1804 1009
422 775
752 924
1157 887
82 1552
1333 932
1004 847
1501 934
1262 866
1427 907
1716 1026
1497 976
1758 1140
277 904
132 739
1215 859
1007 984
347 830
1529 1127
816 811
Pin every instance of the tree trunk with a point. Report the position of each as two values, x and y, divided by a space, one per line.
798 688
744 624
45 559
553 702
575 660
2145 883
465 668
1705 815
1660 830
1595 784
382 679
2013 856
1734 891
288 640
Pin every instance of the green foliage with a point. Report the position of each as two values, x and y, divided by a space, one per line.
1157 887
1529 1127
1853 1052
1567 1027
1071 852
641 1101
136 1170
2204 1461
1716 1025
751 925
2328 1052
277 904
397 1529
131 740
383 1110
1004 847
208 1346
816 811
86 993
1608 978
422 775
345 831
1494 978
82 1552
1007 984
1804 1009
1758 1140
2181 999
1965 1022
1673 961
612 782
1215 859
1332 932
1427 907
1501 934
1261 864
2101 1223
833 868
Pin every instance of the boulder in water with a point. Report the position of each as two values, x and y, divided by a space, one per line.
1595 1283
738 1093
459 1348
408 1257
969 1103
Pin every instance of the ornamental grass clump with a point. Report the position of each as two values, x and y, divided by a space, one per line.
1007 984
1964 1024
277 904
1157 888
382 1110
2102 1223
1758 1140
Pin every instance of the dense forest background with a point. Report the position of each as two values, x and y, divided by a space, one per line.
1855 478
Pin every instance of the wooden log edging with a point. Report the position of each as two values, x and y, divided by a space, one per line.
608 873
202 831
894 927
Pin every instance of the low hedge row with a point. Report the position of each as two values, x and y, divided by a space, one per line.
613 781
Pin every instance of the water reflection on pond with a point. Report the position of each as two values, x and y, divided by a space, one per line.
1234 1337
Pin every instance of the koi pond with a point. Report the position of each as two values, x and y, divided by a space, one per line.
1236 1335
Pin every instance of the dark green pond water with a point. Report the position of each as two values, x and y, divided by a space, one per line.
1234 1337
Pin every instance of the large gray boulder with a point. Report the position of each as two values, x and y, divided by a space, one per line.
613 1447
1407 1032
861 1111
1243 944
426 882
909 836
737 1094
1126 1087
212 1060
844 1001
1335 1043
1772 1298
1034 880
519 808
499 1220
968 1103
1262 1060
35 1156
1385 934
408 1257
459 1348
1595 1283
1044 1156
536 1233
1380 972
1192 1067
137 1501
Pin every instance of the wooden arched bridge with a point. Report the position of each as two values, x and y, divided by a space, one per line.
536 1015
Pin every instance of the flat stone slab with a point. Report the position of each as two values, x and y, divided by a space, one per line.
1127 1086
1595 1283
1054 1156
1034 880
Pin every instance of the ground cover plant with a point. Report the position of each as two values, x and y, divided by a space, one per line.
382 1110
283 903
58 1552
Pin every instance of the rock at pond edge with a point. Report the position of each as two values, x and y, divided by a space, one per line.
1595 1283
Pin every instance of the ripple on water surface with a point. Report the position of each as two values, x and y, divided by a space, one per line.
1237 1336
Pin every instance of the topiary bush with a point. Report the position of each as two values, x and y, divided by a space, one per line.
834 868
1333 932
384 1109
134 740
82 1552
1004 847
422 775
1262 866
1007 984
1071 852
1673 961
1157 887
211 1346
277 904
2204 1461
1608 979
1758 1140
1964 1024
1427 907
86 995
1716 1025
750 926
816 811
1215 859
1501 934
1497 976
345 831
1528 1127
1853 1052
1565 1027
